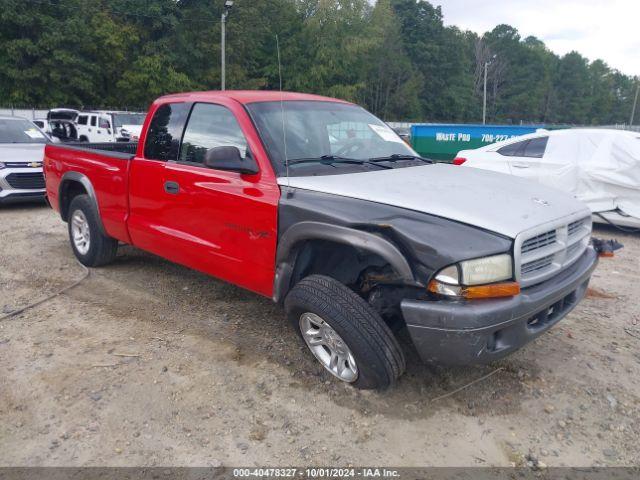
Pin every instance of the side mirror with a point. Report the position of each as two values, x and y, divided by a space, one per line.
229 158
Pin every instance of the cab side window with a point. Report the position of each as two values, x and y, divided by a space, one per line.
165 130
210 126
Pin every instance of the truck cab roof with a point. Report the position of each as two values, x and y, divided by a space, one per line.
247 96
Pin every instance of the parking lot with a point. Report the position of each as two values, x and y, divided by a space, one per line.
149 363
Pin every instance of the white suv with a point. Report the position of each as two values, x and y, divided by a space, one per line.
108 126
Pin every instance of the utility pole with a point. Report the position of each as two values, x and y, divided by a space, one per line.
635 102
223 40
484 96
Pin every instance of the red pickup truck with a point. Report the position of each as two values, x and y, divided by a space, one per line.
318 204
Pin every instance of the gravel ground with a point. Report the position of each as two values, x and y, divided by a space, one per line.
149 363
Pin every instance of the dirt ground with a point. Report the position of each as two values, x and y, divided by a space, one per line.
149 363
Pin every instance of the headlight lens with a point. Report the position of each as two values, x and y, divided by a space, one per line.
2 165
486 270
477 278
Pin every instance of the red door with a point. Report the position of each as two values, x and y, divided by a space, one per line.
220 222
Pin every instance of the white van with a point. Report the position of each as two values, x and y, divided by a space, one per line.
108 126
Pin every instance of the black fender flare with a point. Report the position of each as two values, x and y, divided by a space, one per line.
88 186
286 252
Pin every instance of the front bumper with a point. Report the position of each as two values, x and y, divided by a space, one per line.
463 332
21 184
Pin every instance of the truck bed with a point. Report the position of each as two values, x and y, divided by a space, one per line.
105 170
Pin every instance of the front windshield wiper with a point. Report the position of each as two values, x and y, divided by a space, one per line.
332 159
399 156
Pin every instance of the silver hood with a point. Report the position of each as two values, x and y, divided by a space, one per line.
500 203
21 152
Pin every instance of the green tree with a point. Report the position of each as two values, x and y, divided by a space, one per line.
396 57
148 78
572 90
390 86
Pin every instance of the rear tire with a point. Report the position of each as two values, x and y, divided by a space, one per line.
379 360
90 246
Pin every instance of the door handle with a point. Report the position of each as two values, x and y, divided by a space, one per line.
171 187
520 165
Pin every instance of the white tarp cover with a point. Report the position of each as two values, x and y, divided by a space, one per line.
599 167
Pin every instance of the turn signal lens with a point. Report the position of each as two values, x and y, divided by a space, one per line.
494 290
459 160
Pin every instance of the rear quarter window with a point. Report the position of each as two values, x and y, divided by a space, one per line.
513 149
536 147
165 132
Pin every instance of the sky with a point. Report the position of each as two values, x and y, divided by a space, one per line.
605 29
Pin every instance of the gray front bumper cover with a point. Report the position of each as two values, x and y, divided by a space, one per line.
480 331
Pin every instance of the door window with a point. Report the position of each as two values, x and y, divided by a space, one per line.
93 120
82 120
165 130
104 122
210 126
535 147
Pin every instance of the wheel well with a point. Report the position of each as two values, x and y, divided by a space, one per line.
69 190
367 274
343 262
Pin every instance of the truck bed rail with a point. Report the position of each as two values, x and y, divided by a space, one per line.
123 150
122 147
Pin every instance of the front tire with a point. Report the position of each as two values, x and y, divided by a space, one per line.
345 334
90 246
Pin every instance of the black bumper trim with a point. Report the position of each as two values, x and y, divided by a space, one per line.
480 331
20 197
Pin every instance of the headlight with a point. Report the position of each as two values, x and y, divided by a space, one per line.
477 278
486 270
2 165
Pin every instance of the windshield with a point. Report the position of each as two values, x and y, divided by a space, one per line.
18 130
120 119
316 130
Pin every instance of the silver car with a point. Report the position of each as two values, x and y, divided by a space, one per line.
21 153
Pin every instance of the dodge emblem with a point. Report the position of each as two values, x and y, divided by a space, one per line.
540 201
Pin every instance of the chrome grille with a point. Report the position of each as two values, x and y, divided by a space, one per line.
544 251
574 227
539 264
539 241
